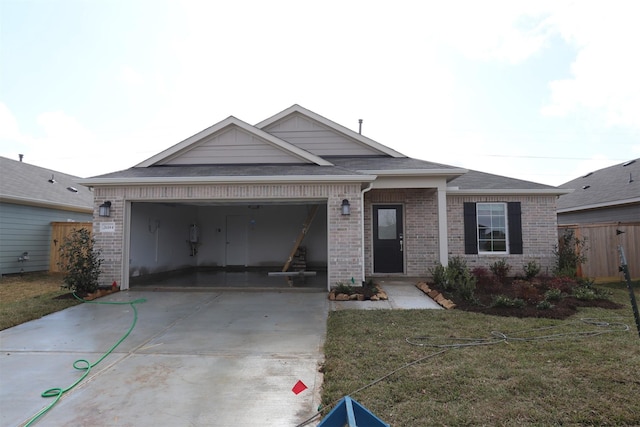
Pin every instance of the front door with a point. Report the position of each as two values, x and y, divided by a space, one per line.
388 244
236 250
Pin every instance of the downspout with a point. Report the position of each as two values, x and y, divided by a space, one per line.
369 187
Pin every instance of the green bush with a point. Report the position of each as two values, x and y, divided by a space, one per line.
544 305
456 278
500 269
569 253
531 269
553 294
505 301
584 293
342 288
80 262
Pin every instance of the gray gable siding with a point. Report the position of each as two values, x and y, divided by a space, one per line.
28 229
623 214
234 146
316 138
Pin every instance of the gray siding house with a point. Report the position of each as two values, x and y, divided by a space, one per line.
237 196
604 210
31 198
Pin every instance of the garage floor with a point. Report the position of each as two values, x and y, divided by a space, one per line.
216 278
193 359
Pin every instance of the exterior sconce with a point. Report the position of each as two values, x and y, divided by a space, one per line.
346 207
105 209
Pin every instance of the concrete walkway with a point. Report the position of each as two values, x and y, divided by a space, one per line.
403 295
212 358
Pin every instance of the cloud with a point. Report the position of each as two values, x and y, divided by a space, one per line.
605 72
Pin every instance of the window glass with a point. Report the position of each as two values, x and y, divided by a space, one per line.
387 224
492 227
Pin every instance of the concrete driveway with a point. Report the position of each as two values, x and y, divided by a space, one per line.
226 358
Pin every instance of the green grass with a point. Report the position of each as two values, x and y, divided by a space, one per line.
30 296
568 381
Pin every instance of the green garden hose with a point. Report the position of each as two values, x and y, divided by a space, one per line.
83 364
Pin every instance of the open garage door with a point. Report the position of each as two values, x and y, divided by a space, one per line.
233 245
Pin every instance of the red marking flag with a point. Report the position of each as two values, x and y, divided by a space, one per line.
299 387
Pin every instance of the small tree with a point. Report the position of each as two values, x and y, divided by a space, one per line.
569 253
80 262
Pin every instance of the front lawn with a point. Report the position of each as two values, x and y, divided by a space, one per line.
30 296
545 372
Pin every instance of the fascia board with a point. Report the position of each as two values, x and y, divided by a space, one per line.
177 148
330 124
45 204
416 172
290 179
509 192
600 205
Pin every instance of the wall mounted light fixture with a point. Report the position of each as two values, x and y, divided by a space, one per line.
346 207
105 209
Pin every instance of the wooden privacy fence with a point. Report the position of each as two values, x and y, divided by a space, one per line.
59 232
602 241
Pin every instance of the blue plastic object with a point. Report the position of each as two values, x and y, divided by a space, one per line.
350 413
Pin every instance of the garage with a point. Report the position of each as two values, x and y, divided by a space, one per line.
199 244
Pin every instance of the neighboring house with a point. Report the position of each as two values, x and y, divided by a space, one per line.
604 209
31 198
237 195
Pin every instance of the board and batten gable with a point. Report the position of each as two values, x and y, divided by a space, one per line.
317 138
232 146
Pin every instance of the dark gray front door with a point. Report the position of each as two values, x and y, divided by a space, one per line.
388 239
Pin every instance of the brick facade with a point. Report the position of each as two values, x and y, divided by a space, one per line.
539 231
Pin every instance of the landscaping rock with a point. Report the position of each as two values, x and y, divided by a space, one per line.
342 297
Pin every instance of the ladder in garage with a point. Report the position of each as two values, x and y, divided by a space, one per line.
301 236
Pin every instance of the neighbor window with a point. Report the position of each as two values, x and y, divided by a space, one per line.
492 228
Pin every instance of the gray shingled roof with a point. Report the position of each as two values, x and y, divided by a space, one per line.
476 180
388 163
24 183
613 185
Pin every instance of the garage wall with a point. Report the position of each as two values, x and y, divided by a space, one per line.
271 232
159 234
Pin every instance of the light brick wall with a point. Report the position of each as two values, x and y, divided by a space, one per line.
344 232
420 208
539 231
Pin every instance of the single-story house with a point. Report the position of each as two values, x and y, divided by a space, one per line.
240 195
31 199
604 210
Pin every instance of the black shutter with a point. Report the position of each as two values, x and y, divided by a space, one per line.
470 229
515 227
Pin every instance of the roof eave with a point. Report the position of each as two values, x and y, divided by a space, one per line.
600 205
280 179
45 204
508 191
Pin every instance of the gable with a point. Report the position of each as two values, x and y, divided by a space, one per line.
320 136
232 145
232 141
316 138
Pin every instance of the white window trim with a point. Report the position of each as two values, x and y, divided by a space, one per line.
506 229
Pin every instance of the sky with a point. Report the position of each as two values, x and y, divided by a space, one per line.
544 91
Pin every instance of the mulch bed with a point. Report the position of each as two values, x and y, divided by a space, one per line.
484 295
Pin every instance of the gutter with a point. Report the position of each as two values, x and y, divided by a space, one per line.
226 180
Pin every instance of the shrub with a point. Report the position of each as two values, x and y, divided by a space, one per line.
482 276
342 288
553 294
500 269
544 305
505 301
584 293
527 291
455 277
80 262
531 269
569 253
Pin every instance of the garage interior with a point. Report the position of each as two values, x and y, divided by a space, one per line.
228 244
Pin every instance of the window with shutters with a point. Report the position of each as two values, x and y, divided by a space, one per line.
491 228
